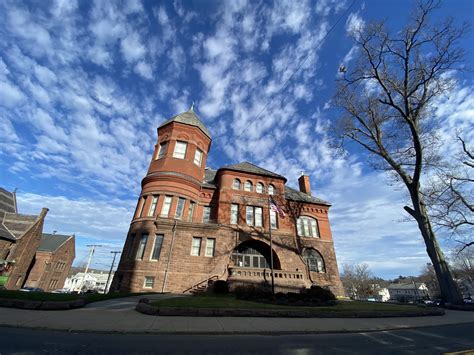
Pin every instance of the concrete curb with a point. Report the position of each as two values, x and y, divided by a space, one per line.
144 307
42 305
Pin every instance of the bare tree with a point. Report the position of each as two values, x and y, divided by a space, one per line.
357 281
387 100
450 197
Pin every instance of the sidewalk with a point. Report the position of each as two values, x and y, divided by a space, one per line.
118 316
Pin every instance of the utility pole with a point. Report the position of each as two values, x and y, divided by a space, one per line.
111 268
91 253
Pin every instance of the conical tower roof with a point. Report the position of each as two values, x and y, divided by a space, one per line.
190 118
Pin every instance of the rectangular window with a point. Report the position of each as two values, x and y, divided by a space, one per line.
151 211
162 150
130 246
249 215
149 282
258 217
234 214
180 150
206 214
191 211
273 219
142 206
157 247
180 208
198 157
196 246
141 247
210 245
166 206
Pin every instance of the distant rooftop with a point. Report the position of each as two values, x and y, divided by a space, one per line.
51 242
247 167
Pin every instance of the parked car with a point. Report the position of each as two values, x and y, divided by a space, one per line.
31 289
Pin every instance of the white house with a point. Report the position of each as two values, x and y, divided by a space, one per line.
408 291
92 281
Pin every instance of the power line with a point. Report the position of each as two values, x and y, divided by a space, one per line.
285 85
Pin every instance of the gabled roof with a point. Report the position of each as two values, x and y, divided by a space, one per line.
405 286
190 118
7 201
247 167
18 224
295 195
51 242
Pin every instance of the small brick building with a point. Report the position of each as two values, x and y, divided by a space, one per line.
193 224
52 262
20 236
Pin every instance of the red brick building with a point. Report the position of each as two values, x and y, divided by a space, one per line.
193 224
52 262
20 236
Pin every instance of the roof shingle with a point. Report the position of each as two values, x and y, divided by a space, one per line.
189 118
51 242
247 167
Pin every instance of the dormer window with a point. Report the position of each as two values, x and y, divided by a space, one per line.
198 157
162 150
248 186
236 184
259 188
271 189
180 150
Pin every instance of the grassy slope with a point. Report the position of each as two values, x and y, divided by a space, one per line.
232 303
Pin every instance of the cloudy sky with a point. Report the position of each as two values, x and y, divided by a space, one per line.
83 86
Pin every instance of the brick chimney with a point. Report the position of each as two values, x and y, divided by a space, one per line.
304 184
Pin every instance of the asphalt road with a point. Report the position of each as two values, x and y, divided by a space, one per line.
429 340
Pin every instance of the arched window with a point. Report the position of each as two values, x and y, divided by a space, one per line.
236 184
248 186
250 257
314 260
271 189
259 187
307 227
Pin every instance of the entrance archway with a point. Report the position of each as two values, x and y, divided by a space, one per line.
254 254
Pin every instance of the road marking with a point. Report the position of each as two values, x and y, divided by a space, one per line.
426 334
398 336
375 339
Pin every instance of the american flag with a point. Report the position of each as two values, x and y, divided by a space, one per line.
274 207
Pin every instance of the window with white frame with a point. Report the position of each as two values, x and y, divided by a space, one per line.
236 184
206 214
165 210
273 220
154 202
180 150
248 186
198 157
210 246
196 246
162 150
253 216
191 208
149 282
259 187
307 227
271 189
157 247
141 246
234 213
180 208
314 260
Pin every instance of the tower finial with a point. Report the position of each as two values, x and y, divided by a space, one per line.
192 107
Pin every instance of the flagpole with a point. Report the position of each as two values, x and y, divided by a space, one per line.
271 246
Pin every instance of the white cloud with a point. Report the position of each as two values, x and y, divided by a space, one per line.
132 47
10 95
144 69
354 24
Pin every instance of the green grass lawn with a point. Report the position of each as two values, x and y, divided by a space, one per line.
45 296
232 303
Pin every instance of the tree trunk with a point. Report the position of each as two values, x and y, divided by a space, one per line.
448 287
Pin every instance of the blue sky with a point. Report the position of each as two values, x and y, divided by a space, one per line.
83 86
